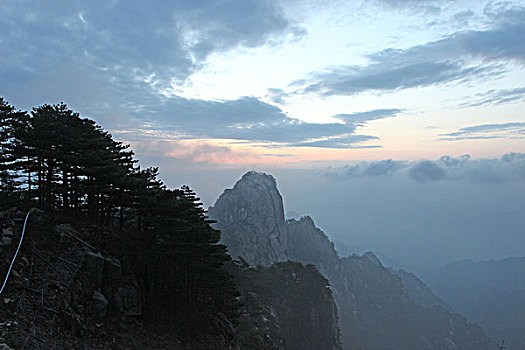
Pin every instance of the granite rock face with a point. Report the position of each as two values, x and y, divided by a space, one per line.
310 245
251 219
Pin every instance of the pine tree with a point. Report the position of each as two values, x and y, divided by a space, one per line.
12 122
182 265
64 162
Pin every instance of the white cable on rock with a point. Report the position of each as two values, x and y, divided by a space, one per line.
17 249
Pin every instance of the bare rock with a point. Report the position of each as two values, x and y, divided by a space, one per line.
128 301
100 303
7 231
66 230
251 219
6 241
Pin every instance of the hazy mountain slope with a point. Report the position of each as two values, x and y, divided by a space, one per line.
375 310
419 291
489 292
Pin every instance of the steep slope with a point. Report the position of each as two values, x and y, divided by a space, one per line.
419 291
416 288
252 220
287 306
489 292
375 310
70 288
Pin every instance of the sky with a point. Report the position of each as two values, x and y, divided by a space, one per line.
209 89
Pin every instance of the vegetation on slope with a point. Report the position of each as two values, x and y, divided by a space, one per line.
70 167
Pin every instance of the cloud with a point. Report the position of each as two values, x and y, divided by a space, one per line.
159 42
116 61
277 95
484 131
222 25
496 97
504 12
459 138
508 168
346 141
455 58
349 80
245 119
426 171
375 168
193 151
363 117
280 155
490 127
134 113
426 6
463 17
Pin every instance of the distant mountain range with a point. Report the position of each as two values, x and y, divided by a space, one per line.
378 308
491 293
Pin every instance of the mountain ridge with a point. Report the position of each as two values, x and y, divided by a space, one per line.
491 292
375 309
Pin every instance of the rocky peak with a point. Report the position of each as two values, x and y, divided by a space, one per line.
251 219
308 244
305 220
254 179
373 258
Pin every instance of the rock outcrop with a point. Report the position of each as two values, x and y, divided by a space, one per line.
286 306
64 287
252 220
375 309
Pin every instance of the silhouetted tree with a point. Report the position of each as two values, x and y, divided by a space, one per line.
67 163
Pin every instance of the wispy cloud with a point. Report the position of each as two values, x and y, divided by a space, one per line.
425 6
496 97
383 76
456 58
363 117
484 131
194 151
459 138
345 141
